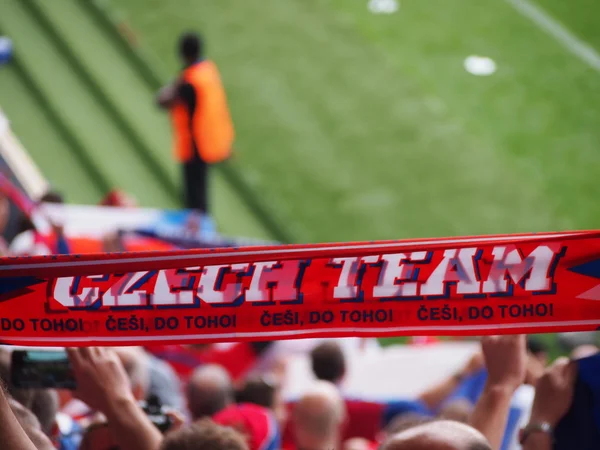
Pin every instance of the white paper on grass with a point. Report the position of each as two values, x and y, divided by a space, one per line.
480 65
383 6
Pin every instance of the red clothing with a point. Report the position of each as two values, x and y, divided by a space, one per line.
237 359
254 422
365 419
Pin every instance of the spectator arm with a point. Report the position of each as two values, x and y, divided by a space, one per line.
491 413
435 395
13 435
130 427
538 441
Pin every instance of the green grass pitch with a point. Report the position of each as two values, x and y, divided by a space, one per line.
360 126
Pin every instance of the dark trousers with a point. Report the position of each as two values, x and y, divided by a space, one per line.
195 181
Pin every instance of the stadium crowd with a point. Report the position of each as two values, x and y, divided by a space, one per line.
212 399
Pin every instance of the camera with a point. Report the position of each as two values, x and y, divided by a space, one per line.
157 413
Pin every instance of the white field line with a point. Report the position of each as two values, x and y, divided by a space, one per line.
558 31
20 162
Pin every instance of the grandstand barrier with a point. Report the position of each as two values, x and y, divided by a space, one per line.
19 170
18 163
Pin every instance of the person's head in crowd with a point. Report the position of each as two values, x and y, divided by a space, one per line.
119 198
357 444
135 363
583 351
264 391
209 391
458 410
255 423
30 425
191 48
259 390
150 376
204 435
328 362
538 349
52 197
401 422
438 435
318 417
165 385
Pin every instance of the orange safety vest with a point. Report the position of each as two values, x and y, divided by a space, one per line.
210 128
